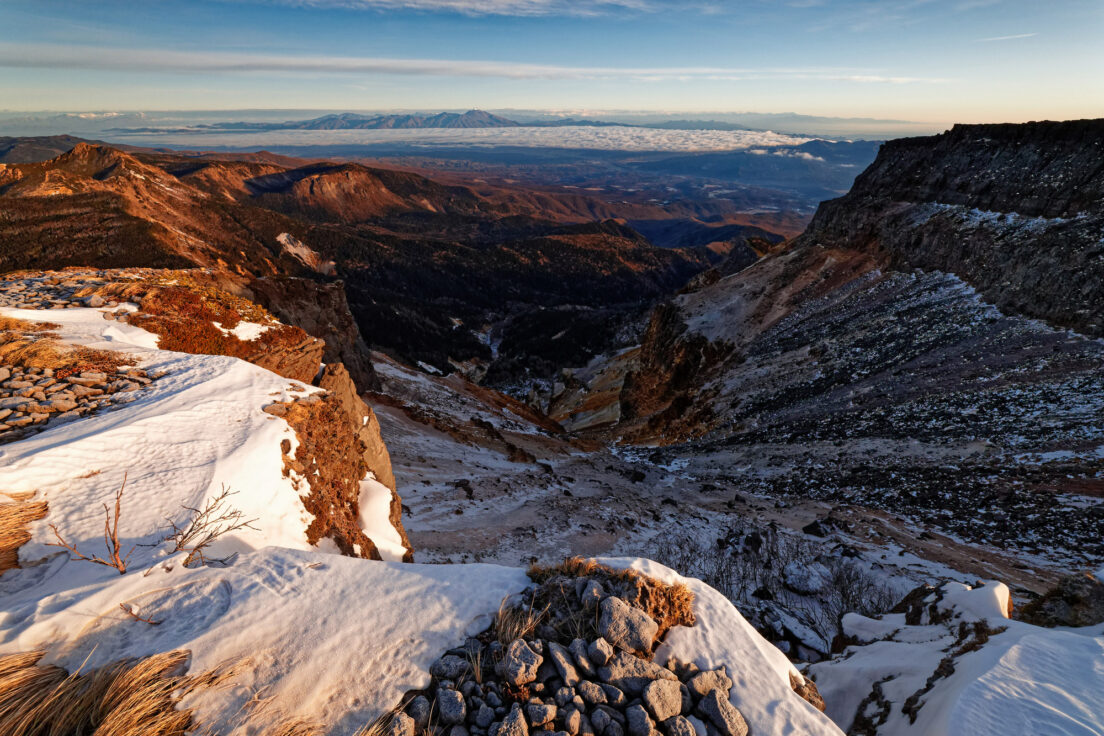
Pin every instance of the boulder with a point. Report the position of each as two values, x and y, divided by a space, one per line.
600 651
520 663
724 716
663 699
639 722
678 726
631 674
1077 600
450 704
565 665
514 723
626 627
401 725
701 683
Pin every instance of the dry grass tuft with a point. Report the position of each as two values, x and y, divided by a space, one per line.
41 350
295 726
14 520
124 698
669 605
516 622
378 727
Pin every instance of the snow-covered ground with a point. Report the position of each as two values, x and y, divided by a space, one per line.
1023 680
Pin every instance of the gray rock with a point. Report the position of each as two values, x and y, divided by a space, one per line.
678 726
401 725
699 725
687 700
592 594
540 715
591 692
626 627
493 700
485 716
600 719
631 674
520 665
614 729
419 711
701 683
613 695
449 667
718 711
583 664
514 723
562 658
458 731
450 704
573 721
600 651
663 699
639 722
564 696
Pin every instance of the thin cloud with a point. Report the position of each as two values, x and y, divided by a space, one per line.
1006 38
485 7
49 56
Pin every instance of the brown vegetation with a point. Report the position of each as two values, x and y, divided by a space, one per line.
669 605
111 538
124 698
32 345
14 519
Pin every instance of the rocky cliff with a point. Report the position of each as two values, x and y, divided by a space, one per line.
1017 211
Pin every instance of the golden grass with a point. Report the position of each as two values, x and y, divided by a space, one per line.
14 519
296 726
669 605
124 698
11 324
41 351
516 622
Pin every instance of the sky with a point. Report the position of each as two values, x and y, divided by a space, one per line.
919 60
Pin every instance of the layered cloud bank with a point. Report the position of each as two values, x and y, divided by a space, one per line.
599 138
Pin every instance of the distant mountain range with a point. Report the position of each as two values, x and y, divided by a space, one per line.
352 121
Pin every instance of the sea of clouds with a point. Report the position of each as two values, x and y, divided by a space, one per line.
595 138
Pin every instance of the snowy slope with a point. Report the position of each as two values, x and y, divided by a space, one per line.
1023 680
179 441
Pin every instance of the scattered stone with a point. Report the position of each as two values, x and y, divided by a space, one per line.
484 716
562 658
520 665
722 714
613 695
701 683
419 710
578 650
663 699
450 704
631 674
592 594
449 667
600 651
678 726
591 692
540 715
514 723
626 627
639 722
401 725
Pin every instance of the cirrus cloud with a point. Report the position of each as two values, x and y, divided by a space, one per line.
52 56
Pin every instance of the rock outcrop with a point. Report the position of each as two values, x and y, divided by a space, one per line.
1077 600
320 309
1017 211
339 447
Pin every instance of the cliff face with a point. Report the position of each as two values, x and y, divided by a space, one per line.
1017 211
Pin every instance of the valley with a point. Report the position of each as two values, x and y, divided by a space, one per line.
889 405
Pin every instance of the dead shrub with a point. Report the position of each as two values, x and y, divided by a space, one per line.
111 538
41 350
204 526
15 517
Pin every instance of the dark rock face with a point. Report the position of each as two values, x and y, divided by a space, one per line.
319 308
1077 600
1017 211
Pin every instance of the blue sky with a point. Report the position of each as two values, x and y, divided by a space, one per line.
926 60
